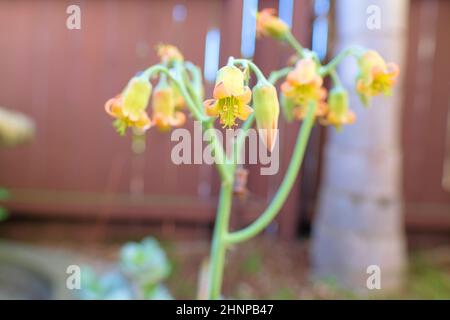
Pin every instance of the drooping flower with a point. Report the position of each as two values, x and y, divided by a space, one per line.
129 107
339 113
302 85
169 54
231 97
163 105
269 25
375 76
267 110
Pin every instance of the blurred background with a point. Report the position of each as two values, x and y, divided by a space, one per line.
74 191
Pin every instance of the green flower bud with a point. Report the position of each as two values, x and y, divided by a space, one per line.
339 113
267 110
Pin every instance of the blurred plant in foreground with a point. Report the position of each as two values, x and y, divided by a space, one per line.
303 97
141 270
15 128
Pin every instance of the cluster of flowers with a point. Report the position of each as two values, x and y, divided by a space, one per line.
129 107
303 85
305 82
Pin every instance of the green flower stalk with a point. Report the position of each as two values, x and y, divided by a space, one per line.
304 97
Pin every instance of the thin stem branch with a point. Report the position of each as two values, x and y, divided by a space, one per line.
252 66
196 77
277 75
290 39
335 77
352 50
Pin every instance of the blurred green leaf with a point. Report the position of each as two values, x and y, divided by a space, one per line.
4 194
252 263
3 214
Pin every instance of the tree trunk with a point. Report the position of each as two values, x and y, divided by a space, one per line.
359 221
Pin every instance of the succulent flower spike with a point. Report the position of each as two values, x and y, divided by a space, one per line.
163 104
267 110
339 113
129 107
375 76
169 54
231 97
269 25
304 84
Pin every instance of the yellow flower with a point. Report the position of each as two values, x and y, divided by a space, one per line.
375 76
339 113
129 107
302 85
163 104
169 53
267 24
267 110
114 107
231 97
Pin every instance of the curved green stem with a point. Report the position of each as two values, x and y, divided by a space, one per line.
196 77
252 66
352 50
277 75
193 91
280 197
336 80
290 39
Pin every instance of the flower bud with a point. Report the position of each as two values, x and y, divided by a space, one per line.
267 110
163 101
339 112
135 97
169 54
163 104
338 101
267 24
